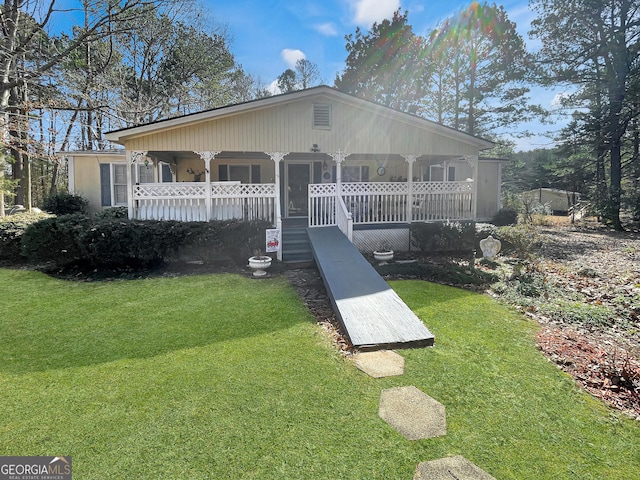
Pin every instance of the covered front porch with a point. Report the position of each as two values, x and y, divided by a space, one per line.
326 189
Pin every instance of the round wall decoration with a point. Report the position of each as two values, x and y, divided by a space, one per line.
381 171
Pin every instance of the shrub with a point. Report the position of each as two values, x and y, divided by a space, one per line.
519 240
12 229
505 216
224 241
439 236
65 204
96 242
114 212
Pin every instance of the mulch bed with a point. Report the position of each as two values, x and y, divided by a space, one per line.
603 369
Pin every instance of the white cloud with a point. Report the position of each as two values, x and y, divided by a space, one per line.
291 56
329 29
273 88
366 12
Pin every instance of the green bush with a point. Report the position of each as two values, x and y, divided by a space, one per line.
114 212
224 241
12 229
65 204
95 242
438 236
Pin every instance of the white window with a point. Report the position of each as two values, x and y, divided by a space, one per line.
436 173
165 175
113 184
119 184
239 173
145 173
355 173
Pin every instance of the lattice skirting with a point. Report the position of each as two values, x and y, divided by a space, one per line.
369 240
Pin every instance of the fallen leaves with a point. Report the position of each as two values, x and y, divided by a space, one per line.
605 370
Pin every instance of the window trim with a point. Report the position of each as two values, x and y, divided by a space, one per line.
254 172
113 183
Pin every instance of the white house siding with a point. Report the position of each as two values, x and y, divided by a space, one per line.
288 128
86 174
489 180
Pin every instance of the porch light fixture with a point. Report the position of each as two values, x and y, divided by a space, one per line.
315 148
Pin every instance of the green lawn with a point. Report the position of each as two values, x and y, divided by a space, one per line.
225 377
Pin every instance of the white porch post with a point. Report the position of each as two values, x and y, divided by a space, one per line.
338 157
133 173
472 160
277 157
207 156
410 159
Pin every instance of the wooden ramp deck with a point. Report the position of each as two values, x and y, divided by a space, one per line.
372 314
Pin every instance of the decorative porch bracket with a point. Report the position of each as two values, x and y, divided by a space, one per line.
410 159
277 157
133 157
207 157
472 160
339 157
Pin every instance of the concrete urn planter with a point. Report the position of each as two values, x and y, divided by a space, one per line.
259 264
383 256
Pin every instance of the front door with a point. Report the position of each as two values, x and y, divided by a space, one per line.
297 191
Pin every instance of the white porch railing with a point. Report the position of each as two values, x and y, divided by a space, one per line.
322 204
344 219
433 201
190 201
376 202
389 202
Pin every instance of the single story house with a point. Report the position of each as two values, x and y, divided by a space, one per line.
558 201
318 156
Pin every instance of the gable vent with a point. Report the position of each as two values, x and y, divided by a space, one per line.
322 115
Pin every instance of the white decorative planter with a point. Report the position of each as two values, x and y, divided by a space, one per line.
259 264
383 256
490 247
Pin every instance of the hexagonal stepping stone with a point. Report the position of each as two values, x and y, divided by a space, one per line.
413 413
383 363
450 468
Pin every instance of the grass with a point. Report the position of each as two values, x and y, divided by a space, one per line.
222 376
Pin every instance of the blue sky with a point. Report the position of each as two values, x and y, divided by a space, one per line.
267 37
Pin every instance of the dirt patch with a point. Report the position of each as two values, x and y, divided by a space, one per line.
309 285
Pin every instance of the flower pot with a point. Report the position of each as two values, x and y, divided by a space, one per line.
259 264
383 256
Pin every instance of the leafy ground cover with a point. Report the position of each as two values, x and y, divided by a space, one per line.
223 376
584 290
